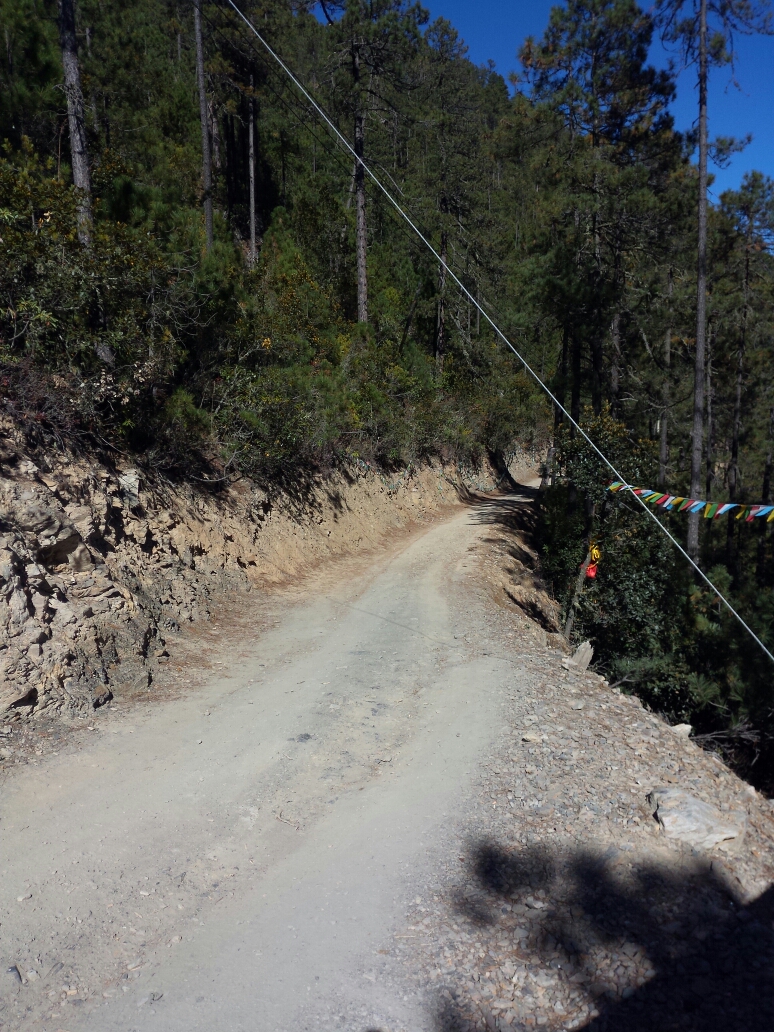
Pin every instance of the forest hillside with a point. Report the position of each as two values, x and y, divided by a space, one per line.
197 274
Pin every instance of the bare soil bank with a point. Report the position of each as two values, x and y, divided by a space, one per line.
100 564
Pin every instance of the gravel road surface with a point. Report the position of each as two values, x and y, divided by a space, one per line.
371 820
240 853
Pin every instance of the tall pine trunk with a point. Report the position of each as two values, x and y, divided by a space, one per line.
663 441
596 348
615 368
733 466
79 154
575 397
561 387
666 401
597 363
736 428
360 198
251 171
360 226
697 433
765 529
709 398
204 119
440 329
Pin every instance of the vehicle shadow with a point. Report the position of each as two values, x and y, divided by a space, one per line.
651 948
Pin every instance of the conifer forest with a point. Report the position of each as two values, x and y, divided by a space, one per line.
195 271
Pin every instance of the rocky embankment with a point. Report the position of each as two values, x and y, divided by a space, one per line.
100 564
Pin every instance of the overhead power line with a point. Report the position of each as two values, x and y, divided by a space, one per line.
499 333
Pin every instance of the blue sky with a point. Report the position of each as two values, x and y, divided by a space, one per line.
495 29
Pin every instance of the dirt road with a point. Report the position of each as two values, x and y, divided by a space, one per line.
392 810
234 859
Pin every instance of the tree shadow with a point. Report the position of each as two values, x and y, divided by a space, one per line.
515 515
650 947
502 507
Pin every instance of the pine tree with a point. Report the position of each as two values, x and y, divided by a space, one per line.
205 125
687 22
591 69
79 153
373 40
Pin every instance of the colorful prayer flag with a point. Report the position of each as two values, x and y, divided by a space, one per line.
710 510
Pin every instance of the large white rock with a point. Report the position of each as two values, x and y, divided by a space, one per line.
691 820
580 659
129 483
683 730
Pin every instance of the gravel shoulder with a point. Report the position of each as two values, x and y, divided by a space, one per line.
390 808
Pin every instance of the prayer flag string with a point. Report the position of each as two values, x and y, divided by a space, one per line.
710 510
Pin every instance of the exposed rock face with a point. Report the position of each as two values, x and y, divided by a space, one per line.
67 622
98 564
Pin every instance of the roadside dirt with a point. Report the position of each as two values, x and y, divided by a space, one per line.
382 803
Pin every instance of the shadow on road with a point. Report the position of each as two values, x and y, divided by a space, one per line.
513 518
507 510
592 924
515 515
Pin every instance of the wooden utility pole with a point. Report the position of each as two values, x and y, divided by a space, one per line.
206 155
579 582
79 155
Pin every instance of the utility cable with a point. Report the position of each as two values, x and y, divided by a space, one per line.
528 368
